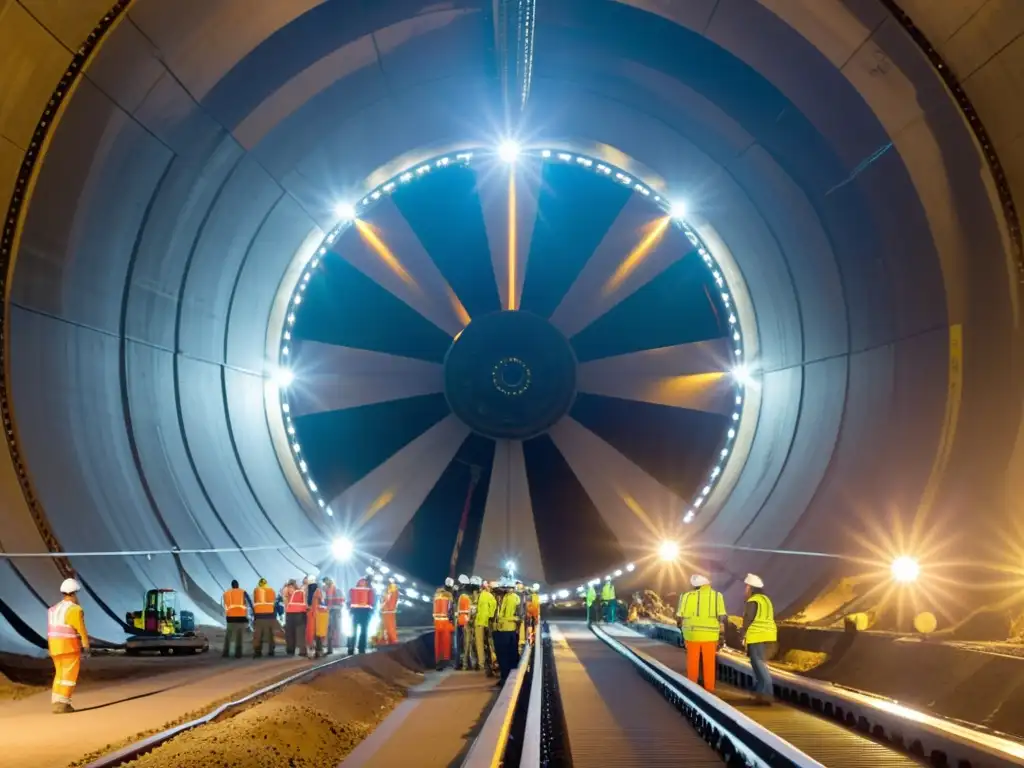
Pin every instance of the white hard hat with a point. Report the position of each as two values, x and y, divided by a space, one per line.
698 580
476 581
449 582
607 578
754 581
69 587
463 578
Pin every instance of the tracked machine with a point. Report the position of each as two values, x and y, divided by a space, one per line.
161 628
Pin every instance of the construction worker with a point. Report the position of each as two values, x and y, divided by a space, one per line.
521 615
506 626
443 624
591 607
236 618
295 617
389 614
335 602
317 620
464 607
263 619
360 606
486 608
608 600
472 660
759 636
701 615
67 641
532 615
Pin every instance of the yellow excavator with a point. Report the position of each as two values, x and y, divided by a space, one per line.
161 627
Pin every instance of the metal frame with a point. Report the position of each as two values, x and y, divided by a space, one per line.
919 733
534 721
731 733
488 749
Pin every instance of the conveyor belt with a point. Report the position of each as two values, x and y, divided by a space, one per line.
613 716
827 742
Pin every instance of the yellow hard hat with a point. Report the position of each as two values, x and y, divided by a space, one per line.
263 582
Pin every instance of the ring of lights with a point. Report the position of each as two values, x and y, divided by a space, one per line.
740 323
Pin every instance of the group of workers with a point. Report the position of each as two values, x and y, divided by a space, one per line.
702 617
490 621
607 607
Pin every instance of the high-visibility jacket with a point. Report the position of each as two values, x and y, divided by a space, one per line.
335 599
591 595
533 605
234 604
608 591
360 597
318 604
762 629
390 604
508 613
465 605
263 601
700 610
65 629
486 607
442 605
296 601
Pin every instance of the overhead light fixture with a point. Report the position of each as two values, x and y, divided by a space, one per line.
283 377
743 376
678 210
345 211
668 551
342 548
509 150
905 569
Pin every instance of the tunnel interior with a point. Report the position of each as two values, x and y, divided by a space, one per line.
171 169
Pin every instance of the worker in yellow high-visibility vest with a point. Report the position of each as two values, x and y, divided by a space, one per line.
759 635
701 615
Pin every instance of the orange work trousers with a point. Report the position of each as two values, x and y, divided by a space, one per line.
390 628
442 641
65 676
695 653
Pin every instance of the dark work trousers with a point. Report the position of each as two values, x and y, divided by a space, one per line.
505 648
263 631
759 653
460 647
591 613
333 629
233 633
360 627
295 633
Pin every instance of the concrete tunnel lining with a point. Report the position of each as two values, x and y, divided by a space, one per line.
199 221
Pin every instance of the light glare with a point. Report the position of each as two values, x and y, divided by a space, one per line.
668 551
284 377
345 211
508 151
905 569
742 376
678 210
342 548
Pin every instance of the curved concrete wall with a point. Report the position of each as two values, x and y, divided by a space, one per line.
204 144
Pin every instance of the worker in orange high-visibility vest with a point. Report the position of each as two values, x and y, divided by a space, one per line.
360 604
67 640
295 617
335 603
236 617
463 640
263 619
532 613
389 614
443 624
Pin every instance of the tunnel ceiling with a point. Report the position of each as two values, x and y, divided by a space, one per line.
170 165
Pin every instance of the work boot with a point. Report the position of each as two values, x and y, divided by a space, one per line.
62 708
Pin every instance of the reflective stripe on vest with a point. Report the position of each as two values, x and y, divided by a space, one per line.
56 622
263 600
297 601
359 597
334 598
234 603
762 629
699 611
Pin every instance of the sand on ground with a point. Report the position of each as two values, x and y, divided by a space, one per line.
311 724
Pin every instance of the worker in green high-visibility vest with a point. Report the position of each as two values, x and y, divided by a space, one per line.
608 600
591 604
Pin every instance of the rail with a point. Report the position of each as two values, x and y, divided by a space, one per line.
488 749
737 738
939 740
532 741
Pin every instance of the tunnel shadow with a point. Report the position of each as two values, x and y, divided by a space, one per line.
474 729
136 697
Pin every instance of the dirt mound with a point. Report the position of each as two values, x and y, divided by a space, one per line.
313 724
11 690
